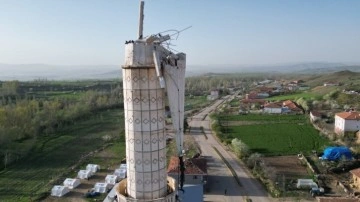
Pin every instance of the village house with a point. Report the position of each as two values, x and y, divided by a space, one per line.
252 103
214 94
347 122
291 107
195 172
315 116
304 87
292 87
252 95
336 199
330 84
356 178
298 81
273 108
263 95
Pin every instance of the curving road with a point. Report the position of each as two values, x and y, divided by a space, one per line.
220 179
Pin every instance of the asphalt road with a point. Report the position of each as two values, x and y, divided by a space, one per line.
221 185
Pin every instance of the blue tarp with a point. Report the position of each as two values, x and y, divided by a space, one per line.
336 153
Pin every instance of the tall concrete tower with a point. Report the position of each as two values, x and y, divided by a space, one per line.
149 70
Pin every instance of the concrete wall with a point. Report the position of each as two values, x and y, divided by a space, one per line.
190 179
272 110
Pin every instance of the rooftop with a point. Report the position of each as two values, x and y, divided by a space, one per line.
355 172
349 115
193 166
291 105
336 199
316 113
273 105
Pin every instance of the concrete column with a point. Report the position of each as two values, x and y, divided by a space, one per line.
145 133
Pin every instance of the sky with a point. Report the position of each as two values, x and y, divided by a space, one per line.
236 32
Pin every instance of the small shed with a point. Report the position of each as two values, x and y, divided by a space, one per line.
93 167
71 183
101 187
84 174
120 173
306 183
111 179
59 191
123 166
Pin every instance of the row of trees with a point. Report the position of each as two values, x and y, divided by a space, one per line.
204 84
27 119
9 88
333 100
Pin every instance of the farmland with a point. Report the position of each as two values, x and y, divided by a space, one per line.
295 96
263 117
273 135
195 102
52 156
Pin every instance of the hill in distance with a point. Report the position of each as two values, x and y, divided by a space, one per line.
26 72
345 77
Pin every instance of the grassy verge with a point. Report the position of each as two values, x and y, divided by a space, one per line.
32 178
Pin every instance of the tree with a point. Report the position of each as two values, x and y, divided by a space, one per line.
240 148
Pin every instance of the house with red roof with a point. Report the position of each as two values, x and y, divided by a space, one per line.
291 107
252 103
347 122
195 170
356 177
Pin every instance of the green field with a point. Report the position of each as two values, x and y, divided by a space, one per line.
32 177
195 102
273 135
234 103
70 95
295 96
263 117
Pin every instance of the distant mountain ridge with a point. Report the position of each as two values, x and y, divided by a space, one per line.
343 77
26 72
296 68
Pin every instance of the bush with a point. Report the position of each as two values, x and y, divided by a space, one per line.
240 148
253 160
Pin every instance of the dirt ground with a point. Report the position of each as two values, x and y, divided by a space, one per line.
289 166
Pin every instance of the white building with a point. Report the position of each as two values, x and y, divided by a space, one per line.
101 187
315 116
347 122
93 168
111 179
84 174
214 94
121 173
122 166
71 183
273 108
59 191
